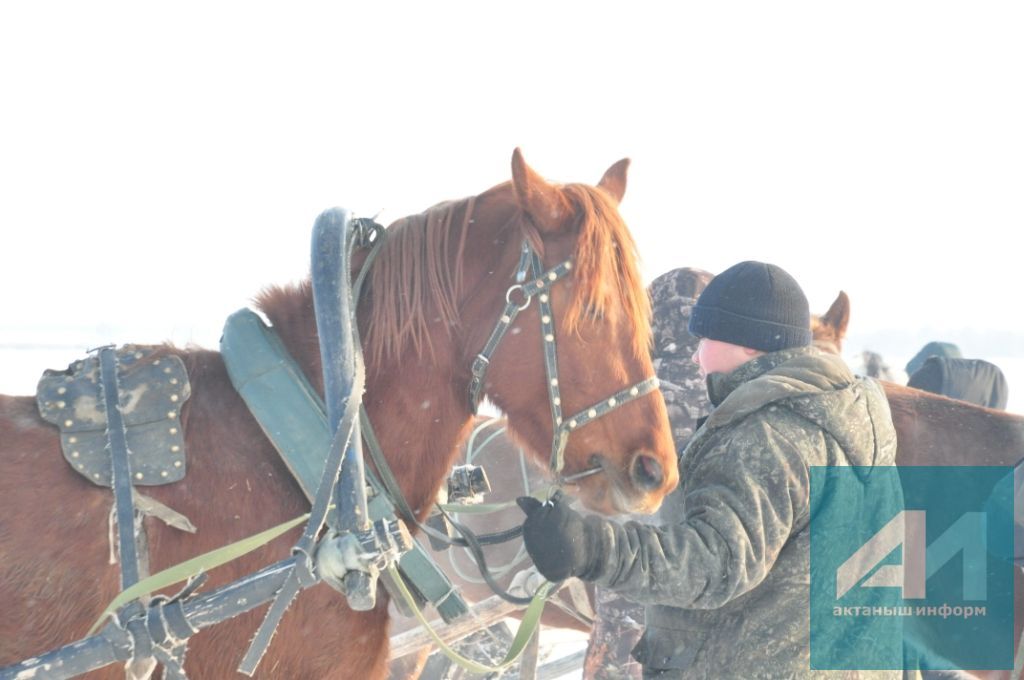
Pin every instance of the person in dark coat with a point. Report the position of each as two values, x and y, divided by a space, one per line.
932 349
725 576
972 380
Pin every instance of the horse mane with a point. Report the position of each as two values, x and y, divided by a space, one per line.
412 275
412 284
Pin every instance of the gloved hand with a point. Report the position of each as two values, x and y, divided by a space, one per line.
560 541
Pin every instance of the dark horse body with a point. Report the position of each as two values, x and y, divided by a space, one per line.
434 294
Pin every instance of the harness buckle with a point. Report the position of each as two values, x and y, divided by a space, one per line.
480 364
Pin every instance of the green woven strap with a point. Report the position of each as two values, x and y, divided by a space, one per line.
188 568
528 627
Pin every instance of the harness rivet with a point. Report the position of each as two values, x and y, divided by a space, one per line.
545 319
72 440
156 363
556 401
568 265
549 337
612 402
96 475
138 355
505 318
544 297
175 448
558 420
163 473
138 475
174 381
167 370
61 404
61 390
635 391
554 382
540 283
80 466
177 463
553 276
174 397
172 414
75 454
592 413
68 423
173 430
572 424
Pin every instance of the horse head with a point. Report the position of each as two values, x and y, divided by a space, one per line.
599 332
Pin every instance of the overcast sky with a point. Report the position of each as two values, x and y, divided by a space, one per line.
159 164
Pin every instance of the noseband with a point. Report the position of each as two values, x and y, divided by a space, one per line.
529 262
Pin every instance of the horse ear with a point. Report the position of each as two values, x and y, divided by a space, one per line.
614 180
542 201
838 315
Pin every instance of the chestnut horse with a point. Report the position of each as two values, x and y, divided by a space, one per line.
434 294
932 429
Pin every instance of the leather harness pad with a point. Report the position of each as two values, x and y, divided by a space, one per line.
152 393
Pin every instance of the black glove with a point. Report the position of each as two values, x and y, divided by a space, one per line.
560 541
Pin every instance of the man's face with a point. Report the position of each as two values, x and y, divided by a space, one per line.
715 356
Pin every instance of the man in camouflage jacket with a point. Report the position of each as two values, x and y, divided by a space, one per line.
725 577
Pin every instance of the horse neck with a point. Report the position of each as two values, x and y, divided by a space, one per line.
420 403
416 405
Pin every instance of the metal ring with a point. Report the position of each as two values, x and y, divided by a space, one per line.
508 297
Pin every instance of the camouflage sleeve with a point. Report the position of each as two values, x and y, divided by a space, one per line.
744 496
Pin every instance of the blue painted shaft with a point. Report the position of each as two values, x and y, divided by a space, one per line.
335 316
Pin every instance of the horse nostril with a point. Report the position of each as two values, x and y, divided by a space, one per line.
647 472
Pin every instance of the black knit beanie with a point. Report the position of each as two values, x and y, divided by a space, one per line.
756 305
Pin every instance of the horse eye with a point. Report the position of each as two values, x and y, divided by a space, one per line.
595 313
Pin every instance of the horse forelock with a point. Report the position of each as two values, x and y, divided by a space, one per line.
606 270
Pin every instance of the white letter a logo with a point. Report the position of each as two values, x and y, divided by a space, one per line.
906 529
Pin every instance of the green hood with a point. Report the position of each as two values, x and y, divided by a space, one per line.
814 385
